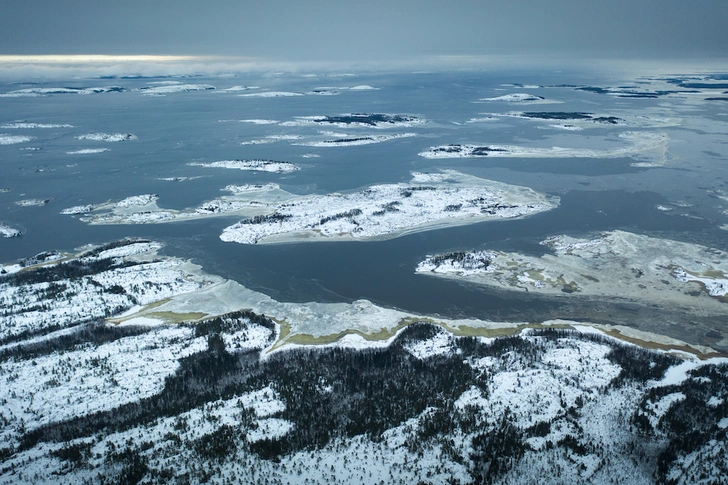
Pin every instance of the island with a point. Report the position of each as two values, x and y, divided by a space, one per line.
391 210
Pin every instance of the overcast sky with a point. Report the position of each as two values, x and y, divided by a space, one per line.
324 30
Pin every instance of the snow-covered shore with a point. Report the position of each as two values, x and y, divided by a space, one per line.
612 264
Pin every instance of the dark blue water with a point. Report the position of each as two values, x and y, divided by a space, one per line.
179 128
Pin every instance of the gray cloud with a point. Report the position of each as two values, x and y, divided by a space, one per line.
343 30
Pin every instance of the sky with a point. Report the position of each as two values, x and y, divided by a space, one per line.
369 30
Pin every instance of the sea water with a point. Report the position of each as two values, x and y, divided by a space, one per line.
597 194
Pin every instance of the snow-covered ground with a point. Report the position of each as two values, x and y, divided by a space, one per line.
48 302
389 210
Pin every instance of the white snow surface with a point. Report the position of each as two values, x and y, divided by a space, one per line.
40 306
246 188
137 200
440 344
76 383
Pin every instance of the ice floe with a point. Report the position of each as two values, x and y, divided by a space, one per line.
110 137
7 231
88 151
254 121
255 165
26 125
175 87
272 94
389 210
6 139
32 202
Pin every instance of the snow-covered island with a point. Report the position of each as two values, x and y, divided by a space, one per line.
646 146
32 202
390 210
366 120
33 92
614 264
254 165
345 140
174 87
109 137
517 98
